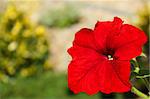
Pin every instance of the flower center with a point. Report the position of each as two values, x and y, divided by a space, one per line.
109 57
109 53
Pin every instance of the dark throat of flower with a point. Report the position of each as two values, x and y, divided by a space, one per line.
109 54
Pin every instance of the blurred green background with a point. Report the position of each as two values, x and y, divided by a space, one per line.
34 37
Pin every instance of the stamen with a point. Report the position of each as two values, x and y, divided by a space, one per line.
110 57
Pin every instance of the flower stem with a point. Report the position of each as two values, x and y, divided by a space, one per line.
144 76
139 93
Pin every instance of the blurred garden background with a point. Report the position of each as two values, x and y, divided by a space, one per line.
35 36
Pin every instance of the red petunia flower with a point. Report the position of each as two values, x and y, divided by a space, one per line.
101 57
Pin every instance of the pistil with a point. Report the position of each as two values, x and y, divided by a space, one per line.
109 57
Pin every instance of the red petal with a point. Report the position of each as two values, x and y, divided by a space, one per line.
85 38
128 43
128 52
122 71
82 52
104 31
82 76
114 77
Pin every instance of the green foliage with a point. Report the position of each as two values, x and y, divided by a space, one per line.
62 17
45 86
23 47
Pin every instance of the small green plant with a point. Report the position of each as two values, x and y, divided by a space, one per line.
23 47
61 17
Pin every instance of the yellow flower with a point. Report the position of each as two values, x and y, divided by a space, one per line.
10 70
12 46
16 29
24 72
27 33
22 50
11 12
47 65
40 30
28 71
